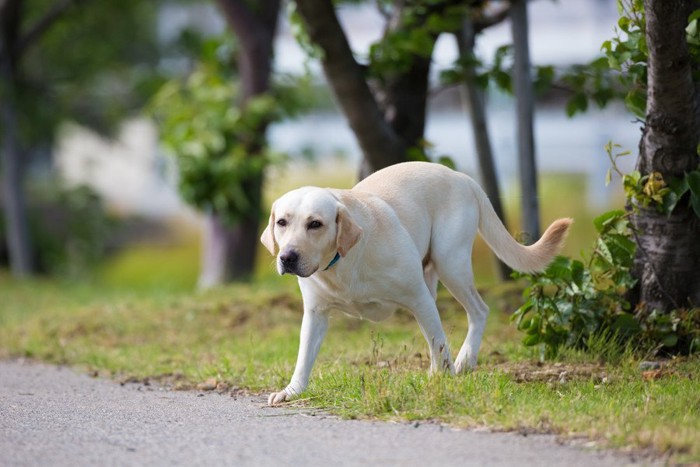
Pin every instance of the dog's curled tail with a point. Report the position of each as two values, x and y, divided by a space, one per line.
533 258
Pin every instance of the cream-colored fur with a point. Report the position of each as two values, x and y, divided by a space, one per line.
398 232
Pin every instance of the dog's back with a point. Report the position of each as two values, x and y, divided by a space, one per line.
434 201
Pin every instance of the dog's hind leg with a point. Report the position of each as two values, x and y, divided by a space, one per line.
422 305
431 279
453 265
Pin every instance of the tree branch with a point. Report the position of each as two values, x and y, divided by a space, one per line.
42 25
10 14
378 141
245 23
255 30
483 21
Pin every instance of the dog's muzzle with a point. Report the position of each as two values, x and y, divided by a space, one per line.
289 260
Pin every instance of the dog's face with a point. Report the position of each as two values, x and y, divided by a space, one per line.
307 227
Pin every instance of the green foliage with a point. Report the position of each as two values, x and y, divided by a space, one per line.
572 304
620 74
420 24
296 25
95 65
693 34
69 227
499 73
652 189
590 82
218 145
627 54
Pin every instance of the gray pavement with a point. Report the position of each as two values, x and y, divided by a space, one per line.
53 416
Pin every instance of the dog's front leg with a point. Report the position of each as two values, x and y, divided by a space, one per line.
314 325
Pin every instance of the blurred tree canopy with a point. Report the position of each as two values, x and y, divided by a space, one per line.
93 62
210 137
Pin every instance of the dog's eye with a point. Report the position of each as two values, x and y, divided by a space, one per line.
282 222
313 225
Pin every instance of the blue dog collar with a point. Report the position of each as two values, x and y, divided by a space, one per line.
333 261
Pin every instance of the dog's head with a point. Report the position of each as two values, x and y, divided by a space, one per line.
307 228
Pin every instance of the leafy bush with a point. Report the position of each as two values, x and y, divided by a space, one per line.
218 145
70 229
572 303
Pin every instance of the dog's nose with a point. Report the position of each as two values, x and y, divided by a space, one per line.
289 259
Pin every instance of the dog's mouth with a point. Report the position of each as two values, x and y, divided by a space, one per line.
296 270
297 273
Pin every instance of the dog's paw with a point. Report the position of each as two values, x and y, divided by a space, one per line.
277 398
464 366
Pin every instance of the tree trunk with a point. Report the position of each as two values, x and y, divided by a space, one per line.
380 144
473 97
668 250
228 250
17 228
525 103
15 209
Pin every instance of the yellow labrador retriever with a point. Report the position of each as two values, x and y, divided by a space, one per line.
384 245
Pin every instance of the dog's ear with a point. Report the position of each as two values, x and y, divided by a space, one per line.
268 236
348 231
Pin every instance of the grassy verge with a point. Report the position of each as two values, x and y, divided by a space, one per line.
247 337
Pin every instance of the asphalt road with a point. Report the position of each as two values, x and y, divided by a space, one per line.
53 416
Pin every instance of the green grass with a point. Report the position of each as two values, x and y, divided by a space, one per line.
247 337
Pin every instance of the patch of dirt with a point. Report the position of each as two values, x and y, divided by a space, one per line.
558 372
178 382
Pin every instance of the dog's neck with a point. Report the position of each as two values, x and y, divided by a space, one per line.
333 261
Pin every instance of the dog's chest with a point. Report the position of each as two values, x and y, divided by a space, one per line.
364 299
372 310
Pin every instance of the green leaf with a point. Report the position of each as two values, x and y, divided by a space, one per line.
606 218
534 325
692 31
503 80
604 251
578 103
636 102
695 203
543 79
452 76
626 322
531 339
670 340
524 324
447 161
693 179
560 268
577 273
624 23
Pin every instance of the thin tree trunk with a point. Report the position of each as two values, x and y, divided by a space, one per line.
525 103
228 250
215 252
668 252
17 227
473 97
